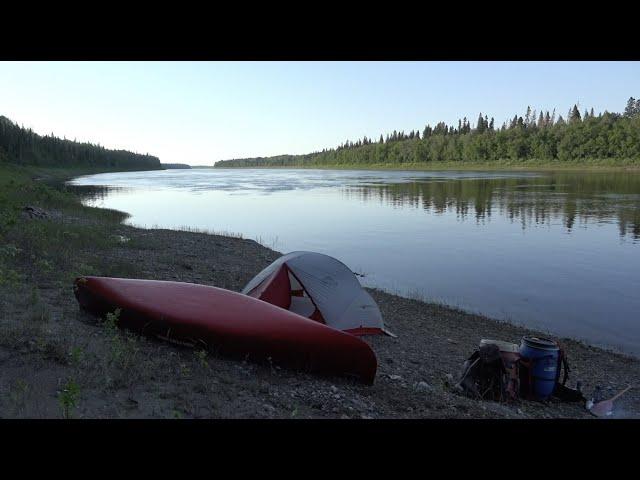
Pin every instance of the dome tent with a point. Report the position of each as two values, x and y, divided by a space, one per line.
319 287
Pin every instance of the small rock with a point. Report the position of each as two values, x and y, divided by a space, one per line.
424 387
366 417
34 212
268 407
449 377
345 417
334 388
395 377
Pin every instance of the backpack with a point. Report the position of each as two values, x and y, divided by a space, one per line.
484 375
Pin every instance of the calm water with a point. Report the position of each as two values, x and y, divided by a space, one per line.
560 251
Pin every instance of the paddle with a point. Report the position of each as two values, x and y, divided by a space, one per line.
605 407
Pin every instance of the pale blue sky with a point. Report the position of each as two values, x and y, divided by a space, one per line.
200 112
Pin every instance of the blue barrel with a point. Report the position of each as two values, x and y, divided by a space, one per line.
543 355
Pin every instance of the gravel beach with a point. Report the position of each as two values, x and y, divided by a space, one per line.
51 351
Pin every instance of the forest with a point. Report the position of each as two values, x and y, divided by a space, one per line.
22 146
535 137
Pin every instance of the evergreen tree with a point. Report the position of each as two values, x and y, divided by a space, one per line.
574 115
630 110
480 126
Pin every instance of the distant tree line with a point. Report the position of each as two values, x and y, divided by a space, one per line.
537 136
173 166
25 147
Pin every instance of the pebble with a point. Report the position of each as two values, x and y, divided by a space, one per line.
424 387
395 377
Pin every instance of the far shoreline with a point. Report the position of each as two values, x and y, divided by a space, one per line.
544 168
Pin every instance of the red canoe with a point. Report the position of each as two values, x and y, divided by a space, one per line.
232 323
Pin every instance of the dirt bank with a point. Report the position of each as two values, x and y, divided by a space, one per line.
57 361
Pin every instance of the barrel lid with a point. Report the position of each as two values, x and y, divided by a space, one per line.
503 346
541 343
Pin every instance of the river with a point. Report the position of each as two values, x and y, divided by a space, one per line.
554 251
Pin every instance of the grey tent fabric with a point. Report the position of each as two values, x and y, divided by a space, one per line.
332 287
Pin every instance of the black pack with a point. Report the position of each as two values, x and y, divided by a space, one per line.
484 375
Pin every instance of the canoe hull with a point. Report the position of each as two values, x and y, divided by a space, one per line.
228 322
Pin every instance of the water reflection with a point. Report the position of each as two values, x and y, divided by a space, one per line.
93 193
539 200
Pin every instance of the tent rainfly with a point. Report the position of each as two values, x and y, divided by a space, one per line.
321 288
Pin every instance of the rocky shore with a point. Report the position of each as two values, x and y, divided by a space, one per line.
57 361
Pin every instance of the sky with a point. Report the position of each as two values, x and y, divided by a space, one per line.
201 112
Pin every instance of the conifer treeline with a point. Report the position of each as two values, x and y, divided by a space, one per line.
537 136
25 147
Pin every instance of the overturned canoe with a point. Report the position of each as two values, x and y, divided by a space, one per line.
231 323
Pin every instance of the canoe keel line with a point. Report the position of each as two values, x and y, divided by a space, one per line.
232 324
